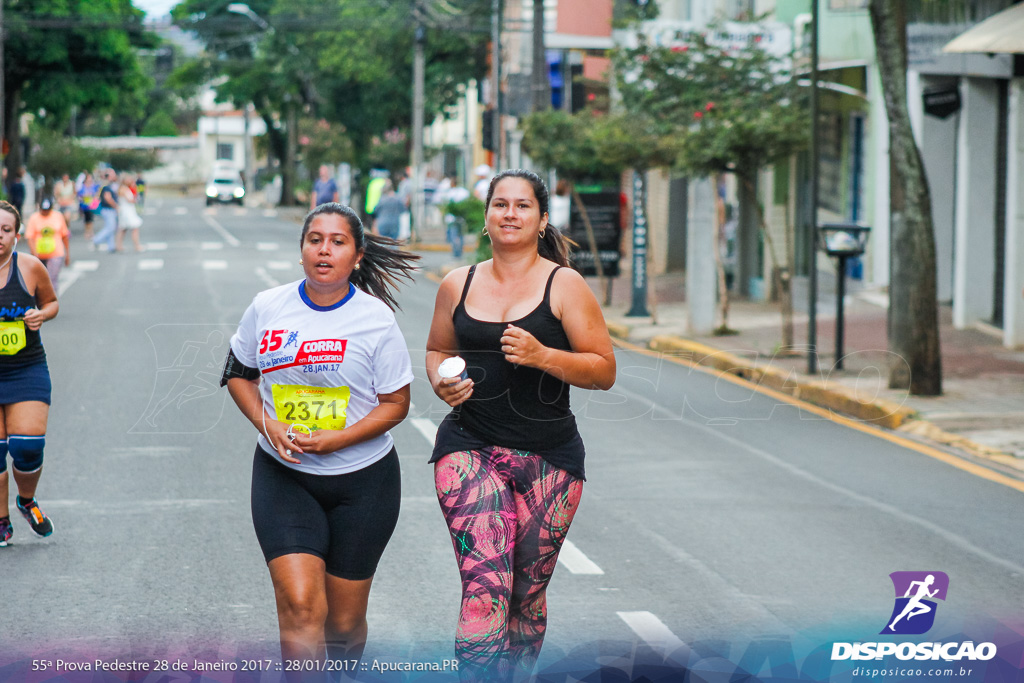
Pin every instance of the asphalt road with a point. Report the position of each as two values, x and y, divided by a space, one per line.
713 516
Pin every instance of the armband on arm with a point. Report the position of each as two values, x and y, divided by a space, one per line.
236 368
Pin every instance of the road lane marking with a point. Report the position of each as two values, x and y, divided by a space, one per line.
68 278
267 246
180 211
425 427
652 631
228 237
151 264
217 264
932 452
948 536
279 265
156 246
262 274
85 266
149 211
211 246
575 561
270 213
241 211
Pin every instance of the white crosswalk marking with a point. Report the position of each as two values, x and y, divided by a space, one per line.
241 211
573 559
215 265
180 210
267 246
270 213
279 265
151 264
156 246
211 246
85 266
652 631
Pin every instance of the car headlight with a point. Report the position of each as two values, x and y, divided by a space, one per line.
239 192
211 190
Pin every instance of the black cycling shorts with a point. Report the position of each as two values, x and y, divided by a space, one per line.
345 519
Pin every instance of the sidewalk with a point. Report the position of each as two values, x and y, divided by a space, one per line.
981 412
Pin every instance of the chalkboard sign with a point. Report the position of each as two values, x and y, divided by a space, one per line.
605 217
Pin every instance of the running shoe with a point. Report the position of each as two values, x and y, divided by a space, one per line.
6 531
40 523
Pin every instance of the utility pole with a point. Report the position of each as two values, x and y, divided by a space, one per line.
496 80
812 242
539 75
3 93
418 180
250 180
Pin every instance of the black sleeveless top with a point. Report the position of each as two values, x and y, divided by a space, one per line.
512 406
14 301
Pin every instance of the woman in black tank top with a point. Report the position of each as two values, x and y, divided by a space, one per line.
508 459
27 300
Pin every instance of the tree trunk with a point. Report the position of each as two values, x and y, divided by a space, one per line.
720 243
539 75
781 270
291 150
13 160
913 311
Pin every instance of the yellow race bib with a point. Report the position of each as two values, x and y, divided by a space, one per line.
47 242
12 337
313 407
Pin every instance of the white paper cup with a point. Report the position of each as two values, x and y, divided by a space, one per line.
453 367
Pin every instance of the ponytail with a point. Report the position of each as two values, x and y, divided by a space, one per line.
554 246
383 262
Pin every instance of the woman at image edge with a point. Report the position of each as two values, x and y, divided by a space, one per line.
324 504
508 458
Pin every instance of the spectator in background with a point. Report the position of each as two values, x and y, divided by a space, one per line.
66 196
325 190
16 190
127 217
88 202
388 213
108 211
560 206
48 239
483 181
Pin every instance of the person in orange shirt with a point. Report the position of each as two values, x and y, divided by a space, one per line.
48 238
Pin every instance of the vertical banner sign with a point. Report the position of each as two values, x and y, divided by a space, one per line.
639 308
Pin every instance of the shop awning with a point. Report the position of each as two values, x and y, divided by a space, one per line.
1000 33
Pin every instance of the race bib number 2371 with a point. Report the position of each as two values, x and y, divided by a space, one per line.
314 407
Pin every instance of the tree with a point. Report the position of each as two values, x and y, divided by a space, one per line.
60 54
734 110
913 311
343 62
54 155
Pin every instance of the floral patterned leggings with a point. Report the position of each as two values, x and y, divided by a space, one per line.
508 512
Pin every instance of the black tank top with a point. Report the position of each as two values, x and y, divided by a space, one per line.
513 406
14 301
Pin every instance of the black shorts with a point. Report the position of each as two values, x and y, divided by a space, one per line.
345 519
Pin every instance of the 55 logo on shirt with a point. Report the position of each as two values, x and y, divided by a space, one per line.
273 340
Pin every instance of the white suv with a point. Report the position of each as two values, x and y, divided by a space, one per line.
225 187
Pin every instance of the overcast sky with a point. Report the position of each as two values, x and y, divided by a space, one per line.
156 8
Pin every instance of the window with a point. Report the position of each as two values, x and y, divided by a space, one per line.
225 151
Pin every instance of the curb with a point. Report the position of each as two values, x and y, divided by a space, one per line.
880 413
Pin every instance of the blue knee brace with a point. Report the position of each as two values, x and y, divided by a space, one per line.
26 452
3 455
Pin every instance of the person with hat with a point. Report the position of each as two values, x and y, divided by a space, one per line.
483 182
48 237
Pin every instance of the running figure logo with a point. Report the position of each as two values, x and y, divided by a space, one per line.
916 592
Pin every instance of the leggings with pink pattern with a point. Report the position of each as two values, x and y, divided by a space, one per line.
508 512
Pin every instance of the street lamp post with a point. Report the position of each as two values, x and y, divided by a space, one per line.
812 251
418 97
844 241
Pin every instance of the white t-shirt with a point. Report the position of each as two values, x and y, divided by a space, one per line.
324 364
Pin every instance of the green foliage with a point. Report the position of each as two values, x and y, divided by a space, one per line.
60 54
55 155
730 110
132 160
628 12
323 143
390 151
159 124
562 141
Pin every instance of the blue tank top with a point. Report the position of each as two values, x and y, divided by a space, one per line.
14 301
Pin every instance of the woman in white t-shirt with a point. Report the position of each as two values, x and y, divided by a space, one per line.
320 368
